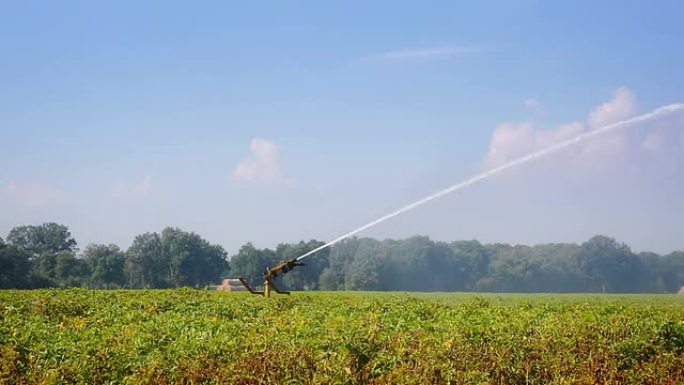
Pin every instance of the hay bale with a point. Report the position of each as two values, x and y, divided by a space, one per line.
681 291
231 284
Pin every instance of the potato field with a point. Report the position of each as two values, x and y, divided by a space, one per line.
195 337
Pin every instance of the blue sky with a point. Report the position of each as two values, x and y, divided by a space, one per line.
279 121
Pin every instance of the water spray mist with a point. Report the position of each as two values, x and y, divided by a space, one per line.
516 162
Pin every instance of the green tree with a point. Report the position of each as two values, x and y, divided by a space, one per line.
192 261
340 257
420 264
328 280
472 260
144 265
61 269
609 266
45 238
70 271
15 267
306 277
666 273
363 271
106 263
52 254
251 263
362 274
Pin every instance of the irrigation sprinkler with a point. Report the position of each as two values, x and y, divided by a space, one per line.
269 278
284 267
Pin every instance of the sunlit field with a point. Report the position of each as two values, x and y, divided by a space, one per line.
194 336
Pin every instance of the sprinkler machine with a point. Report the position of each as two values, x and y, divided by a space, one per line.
284 267
269 277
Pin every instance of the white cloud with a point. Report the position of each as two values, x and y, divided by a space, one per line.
426 53
511 140
32 194
262 165
132 189
621 107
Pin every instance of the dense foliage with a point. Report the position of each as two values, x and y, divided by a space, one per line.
420 264
193 336
46 256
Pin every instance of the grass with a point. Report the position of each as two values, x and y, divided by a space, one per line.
191 336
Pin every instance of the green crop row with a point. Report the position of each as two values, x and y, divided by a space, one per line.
192 336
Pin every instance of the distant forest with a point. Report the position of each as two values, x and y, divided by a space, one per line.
46 255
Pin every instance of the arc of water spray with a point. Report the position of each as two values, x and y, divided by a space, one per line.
516 162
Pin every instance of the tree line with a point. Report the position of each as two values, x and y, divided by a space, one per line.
420 264
47 256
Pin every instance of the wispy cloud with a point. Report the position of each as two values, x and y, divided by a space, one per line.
262 165
430 53
133 188
31 194
531 103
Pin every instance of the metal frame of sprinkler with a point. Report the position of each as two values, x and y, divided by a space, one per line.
269 278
